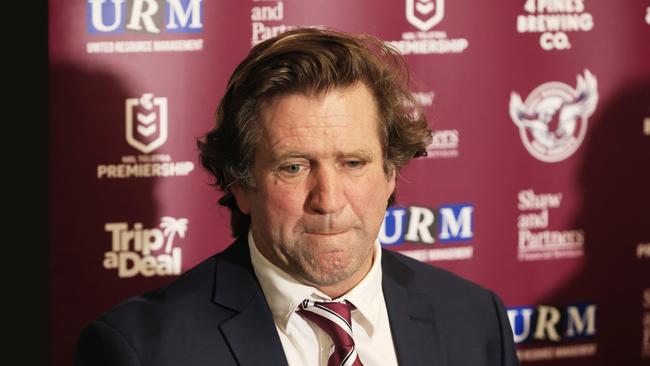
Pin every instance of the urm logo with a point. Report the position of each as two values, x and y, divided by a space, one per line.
551 323
446 224
118 16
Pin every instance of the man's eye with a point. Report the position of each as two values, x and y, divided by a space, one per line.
354 164
291 168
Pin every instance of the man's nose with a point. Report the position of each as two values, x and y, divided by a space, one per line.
326 194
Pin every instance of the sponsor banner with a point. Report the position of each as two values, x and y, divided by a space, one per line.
543 332
552 121
146 130
167 21
643 251
645 325
554 20
443 233
444 143
425 37
138 251
536 240
267 20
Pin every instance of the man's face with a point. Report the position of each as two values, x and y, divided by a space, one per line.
321 190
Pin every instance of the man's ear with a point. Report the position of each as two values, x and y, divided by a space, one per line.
242 197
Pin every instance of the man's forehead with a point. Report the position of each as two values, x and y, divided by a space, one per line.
319 104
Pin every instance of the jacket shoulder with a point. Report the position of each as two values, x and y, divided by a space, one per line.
429 279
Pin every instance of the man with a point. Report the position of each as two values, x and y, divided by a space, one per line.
310 135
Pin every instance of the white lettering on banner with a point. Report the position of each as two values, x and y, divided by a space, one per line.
421 220
424 15
535 243
456 226
440 254
424 99
146 252
264 19
191 15
147 170
444 144
553 19
144 118
645 324
643 250
176 45
549 353
528 200
142 13
97 15
152 17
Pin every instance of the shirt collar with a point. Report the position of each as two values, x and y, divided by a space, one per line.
284 293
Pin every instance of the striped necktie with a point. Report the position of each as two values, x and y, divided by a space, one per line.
335 319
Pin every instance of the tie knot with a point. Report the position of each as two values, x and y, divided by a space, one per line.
336 320
328 309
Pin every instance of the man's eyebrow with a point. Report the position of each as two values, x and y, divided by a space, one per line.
286 155
361 153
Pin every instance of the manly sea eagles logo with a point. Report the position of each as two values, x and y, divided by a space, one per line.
425 14
148 130
553 120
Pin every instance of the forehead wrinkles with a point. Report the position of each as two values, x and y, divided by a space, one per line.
298 118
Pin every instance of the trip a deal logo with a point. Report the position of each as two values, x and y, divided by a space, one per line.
176 19
136 250
442 233
545 332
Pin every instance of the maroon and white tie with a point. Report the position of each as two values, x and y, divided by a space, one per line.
335 319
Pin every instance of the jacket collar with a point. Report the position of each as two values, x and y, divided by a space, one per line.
251 332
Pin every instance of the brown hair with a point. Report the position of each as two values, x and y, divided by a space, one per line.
308 61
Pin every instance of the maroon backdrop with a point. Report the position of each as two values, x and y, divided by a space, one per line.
536 184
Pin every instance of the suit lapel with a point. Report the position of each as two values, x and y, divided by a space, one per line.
416 339
251 332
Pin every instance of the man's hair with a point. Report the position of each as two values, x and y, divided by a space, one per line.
311 62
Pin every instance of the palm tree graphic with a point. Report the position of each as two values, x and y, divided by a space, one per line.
170 227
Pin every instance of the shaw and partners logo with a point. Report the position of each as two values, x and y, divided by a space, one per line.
147 252
552 121
150 17
449 225
146 130
545 330
537 239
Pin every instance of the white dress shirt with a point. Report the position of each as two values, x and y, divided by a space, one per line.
304 343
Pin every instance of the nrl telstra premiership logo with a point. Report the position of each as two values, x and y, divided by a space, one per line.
553 120
425 14
148 130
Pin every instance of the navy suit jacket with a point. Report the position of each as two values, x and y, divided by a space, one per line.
216 314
